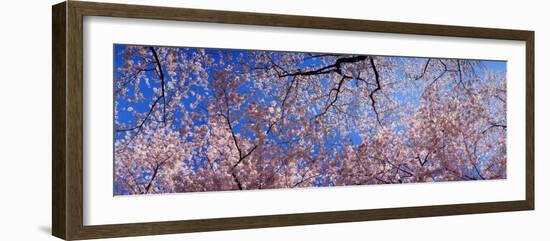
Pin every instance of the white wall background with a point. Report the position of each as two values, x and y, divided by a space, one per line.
25 119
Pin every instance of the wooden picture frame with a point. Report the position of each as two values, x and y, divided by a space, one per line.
67 150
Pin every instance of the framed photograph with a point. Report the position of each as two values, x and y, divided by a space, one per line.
171 120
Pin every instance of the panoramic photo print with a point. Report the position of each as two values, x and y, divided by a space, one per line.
190 119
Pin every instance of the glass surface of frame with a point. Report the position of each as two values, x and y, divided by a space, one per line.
193 119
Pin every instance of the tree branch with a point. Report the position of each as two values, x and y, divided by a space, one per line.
460 74
494 125
140 125
161 75
378 87
425 69
239 184
302 180
337 89
130 79
155 172
242 156
336 67
320 55
469 154
162 96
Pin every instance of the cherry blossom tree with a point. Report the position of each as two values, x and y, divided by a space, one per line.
195 119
